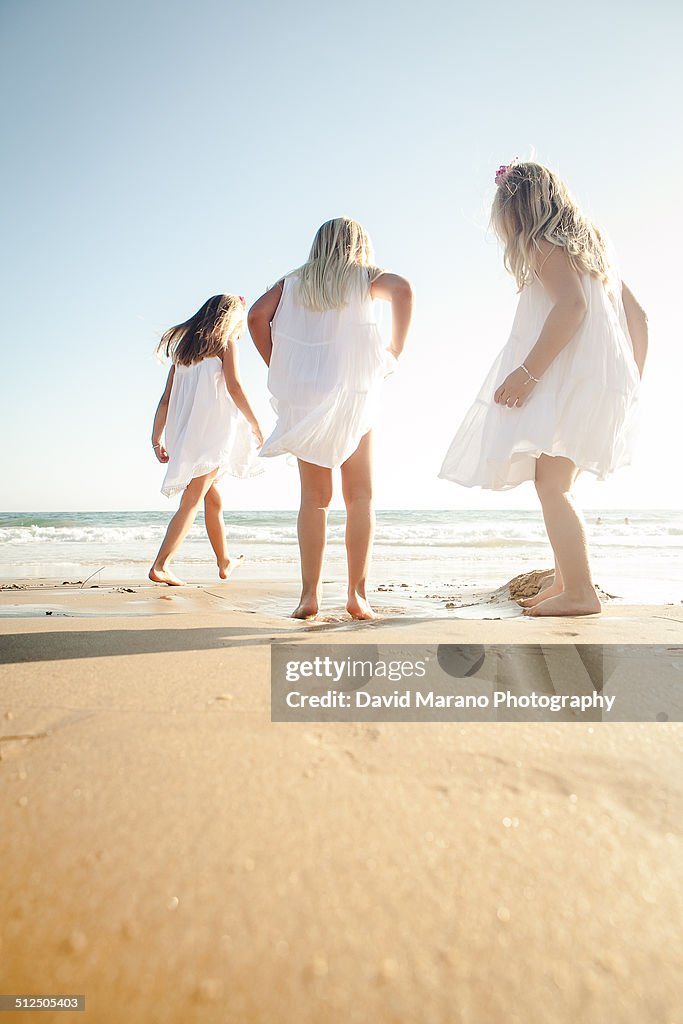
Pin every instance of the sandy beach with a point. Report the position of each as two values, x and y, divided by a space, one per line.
175 856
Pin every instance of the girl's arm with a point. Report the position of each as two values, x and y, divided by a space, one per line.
236 392
260 318
399 292
636 318
160 419
563 286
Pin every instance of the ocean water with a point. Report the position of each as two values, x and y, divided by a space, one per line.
637 555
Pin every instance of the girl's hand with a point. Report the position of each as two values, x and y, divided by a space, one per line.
515 389
161 453
258 434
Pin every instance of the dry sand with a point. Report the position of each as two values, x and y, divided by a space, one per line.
170 853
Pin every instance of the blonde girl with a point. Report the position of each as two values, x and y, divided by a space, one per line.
561 396
204 426
317 333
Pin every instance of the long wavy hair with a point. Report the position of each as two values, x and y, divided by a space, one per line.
341 255
207 333
533 203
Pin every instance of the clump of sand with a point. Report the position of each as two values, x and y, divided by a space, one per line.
528 584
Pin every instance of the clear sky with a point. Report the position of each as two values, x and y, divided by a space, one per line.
157 152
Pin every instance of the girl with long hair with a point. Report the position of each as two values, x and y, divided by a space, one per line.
316 331
204 426
561 396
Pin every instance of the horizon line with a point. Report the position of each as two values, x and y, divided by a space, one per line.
246 511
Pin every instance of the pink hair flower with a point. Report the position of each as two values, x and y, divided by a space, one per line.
242 300
503 170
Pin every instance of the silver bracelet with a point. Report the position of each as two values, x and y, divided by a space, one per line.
156 446
530 376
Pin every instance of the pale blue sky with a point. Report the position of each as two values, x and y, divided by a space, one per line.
157 152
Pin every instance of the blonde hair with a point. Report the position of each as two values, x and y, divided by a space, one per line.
207 333
341 254
532 203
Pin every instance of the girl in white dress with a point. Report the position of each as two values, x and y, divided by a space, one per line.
561 396
317 333
209 426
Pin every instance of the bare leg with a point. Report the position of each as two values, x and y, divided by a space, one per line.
360 525
178 529
316 495
554 479
549 590
557 584
215 529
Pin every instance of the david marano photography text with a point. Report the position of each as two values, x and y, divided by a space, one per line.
415 699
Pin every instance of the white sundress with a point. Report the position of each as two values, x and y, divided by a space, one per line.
326 373
204 428
584 407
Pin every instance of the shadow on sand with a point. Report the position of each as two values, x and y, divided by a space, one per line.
63 645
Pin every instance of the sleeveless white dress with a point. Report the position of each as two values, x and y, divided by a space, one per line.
326 373
204 428
584 407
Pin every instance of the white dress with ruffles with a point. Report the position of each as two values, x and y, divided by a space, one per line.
583 409
204 428
326 374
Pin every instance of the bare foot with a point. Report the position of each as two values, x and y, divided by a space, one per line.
552 591
165 576
307 607
225 569
305 611
579 602
358 607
